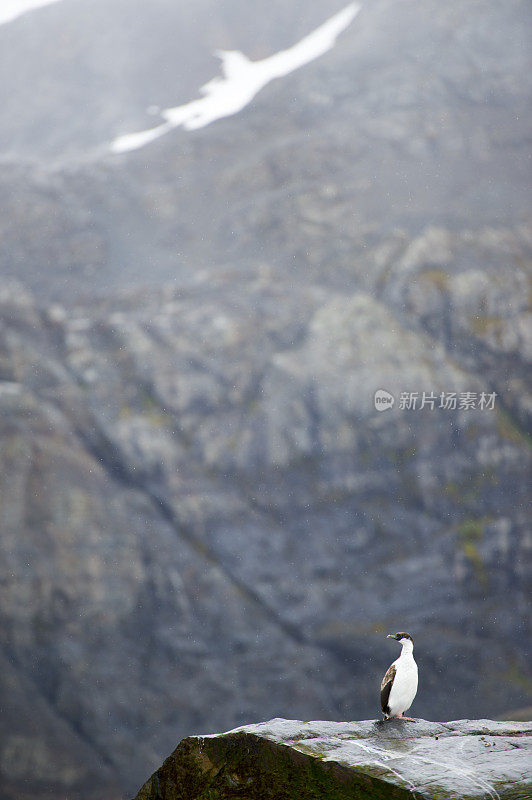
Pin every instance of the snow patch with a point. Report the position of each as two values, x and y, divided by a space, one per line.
242 80
11 9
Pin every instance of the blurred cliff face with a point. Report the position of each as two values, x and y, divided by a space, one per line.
205 520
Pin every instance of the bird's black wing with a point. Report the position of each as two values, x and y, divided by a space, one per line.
386 688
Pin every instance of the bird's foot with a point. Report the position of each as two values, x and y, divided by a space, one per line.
409 719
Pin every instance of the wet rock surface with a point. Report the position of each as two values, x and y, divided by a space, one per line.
459 760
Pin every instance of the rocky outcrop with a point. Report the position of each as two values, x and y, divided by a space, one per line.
289 760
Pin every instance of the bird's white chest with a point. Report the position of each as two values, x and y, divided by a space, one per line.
404 686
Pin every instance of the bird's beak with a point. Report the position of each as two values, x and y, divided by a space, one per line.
391 636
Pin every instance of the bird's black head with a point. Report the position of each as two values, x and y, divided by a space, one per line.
400 636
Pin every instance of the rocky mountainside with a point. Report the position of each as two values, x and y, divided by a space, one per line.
204 518
74 74
420 115
289 759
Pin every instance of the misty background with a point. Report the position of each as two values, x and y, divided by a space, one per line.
204 520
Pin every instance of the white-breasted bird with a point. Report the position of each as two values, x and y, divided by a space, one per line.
399 685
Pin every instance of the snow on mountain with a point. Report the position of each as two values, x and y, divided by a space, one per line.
11 9
242 80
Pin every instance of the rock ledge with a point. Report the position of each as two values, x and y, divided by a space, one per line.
283 759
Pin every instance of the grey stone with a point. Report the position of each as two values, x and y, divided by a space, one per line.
459 760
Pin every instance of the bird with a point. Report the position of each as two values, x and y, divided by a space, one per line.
399 685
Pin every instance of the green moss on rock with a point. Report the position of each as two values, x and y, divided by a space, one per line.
508 428
482 325
470 533
240 765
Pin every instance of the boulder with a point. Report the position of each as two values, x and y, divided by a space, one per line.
284 759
